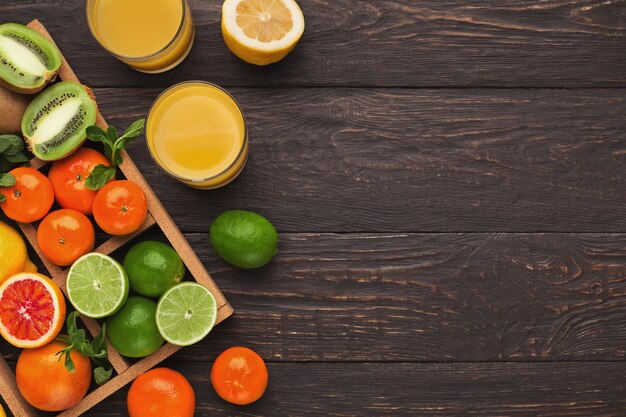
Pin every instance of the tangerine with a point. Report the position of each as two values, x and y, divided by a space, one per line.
161 392
45 382
68 178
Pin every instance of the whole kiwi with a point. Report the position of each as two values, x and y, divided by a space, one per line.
12 108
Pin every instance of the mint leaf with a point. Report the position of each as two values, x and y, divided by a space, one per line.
7 180
98 344
96 134
112 133
100 175
78 337
102 375
16 144
3 198
136 128
71 322
4 145
69 363
17 158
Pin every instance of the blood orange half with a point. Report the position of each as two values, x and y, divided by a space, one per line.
32 310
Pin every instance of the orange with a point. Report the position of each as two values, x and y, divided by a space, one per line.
32 310
68 179
239 376
65 235
44 381
30 199
120 208
161 392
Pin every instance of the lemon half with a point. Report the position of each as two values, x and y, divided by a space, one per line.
261 32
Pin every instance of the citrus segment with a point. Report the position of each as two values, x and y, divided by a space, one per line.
186 313
97 285
261 32
32 310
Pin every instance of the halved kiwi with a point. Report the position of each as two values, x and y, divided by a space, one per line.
55 122
28 61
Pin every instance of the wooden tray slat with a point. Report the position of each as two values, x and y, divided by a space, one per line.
126 371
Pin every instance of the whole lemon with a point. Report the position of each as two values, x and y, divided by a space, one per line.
13 253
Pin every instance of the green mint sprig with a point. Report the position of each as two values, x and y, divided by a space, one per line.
96 349
11 155
113 145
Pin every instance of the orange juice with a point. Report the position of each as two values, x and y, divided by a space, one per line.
149 35
196 133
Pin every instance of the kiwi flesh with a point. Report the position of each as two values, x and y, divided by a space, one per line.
28 61
55 122
12 108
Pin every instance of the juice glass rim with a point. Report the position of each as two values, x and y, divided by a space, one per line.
137 58
244 142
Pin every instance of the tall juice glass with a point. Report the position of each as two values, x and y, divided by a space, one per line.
196 133
149 35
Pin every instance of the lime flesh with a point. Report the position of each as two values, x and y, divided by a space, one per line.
97 285
186 313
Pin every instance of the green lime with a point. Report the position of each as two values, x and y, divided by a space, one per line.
153 268
97 285
186 313
244 239
133 331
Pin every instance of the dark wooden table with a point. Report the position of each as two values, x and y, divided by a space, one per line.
448 181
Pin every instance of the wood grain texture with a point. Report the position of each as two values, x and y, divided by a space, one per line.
400 389
351 160
510 43
425 297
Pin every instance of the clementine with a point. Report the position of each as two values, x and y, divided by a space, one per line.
161 392
44 381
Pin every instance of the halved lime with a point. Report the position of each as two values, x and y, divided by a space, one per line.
186 313
97 285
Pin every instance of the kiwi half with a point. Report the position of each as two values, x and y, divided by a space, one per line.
28 61
55 122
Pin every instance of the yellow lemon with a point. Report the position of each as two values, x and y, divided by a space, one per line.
2 413
13 253
261 32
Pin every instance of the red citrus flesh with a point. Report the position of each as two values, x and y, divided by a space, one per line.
32 310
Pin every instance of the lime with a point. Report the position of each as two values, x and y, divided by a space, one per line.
244 239
186 313
133 331
97 285
153 268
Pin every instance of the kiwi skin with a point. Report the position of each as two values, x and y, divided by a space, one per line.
53 56
12 108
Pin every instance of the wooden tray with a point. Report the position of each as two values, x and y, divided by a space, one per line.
126 371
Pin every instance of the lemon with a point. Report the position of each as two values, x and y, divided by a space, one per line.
2 413
13 253
261 32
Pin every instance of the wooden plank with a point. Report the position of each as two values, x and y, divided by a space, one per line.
409 389
350 160
509 43
425 297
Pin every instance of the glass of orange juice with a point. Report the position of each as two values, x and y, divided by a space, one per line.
196 133
149 35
